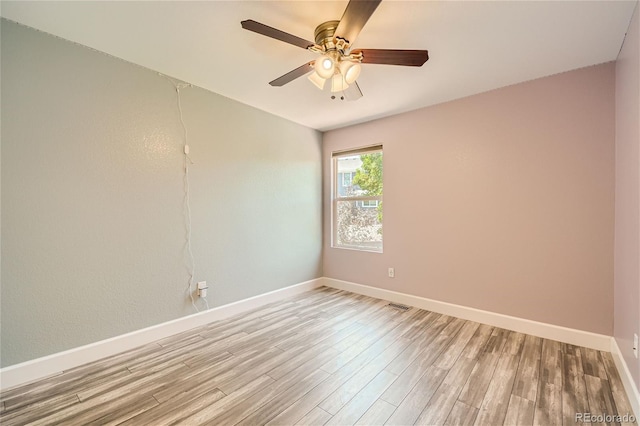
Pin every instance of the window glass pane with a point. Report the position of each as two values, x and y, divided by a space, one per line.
357 226
359 175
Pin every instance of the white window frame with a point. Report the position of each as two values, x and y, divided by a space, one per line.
335 197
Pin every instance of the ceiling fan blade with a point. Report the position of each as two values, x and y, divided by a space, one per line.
268 31
353 92
355 16
292 75
410 58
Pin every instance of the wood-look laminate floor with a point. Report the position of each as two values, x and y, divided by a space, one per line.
331 357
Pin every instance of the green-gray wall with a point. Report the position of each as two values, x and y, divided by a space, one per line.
93 220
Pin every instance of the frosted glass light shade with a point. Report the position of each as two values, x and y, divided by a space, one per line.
325 66
317 80
338 83
350 70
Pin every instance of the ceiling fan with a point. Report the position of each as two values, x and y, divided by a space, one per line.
338 63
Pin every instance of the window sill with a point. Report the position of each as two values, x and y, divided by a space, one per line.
367 250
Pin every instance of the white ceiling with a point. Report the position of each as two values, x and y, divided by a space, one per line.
474 46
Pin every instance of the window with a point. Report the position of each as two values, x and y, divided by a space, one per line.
357 199
346 179
370 203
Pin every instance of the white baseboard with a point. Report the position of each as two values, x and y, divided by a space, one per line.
54 364
535 328
627 379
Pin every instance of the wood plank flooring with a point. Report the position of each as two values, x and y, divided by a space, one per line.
336 358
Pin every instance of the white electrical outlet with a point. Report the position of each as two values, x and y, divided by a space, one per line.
202 288
635 345
392 273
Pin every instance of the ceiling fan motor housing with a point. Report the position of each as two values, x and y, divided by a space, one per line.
324 35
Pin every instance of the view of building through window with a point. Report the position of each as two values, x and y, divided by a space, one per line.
357 199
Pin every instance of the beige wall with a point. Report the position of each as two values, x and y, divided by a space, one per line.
502 201
627 210
93 225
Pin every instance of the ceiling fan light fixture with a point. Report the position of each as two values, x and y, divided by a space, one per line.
318 81
350 70
336 60
338 83
325 66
